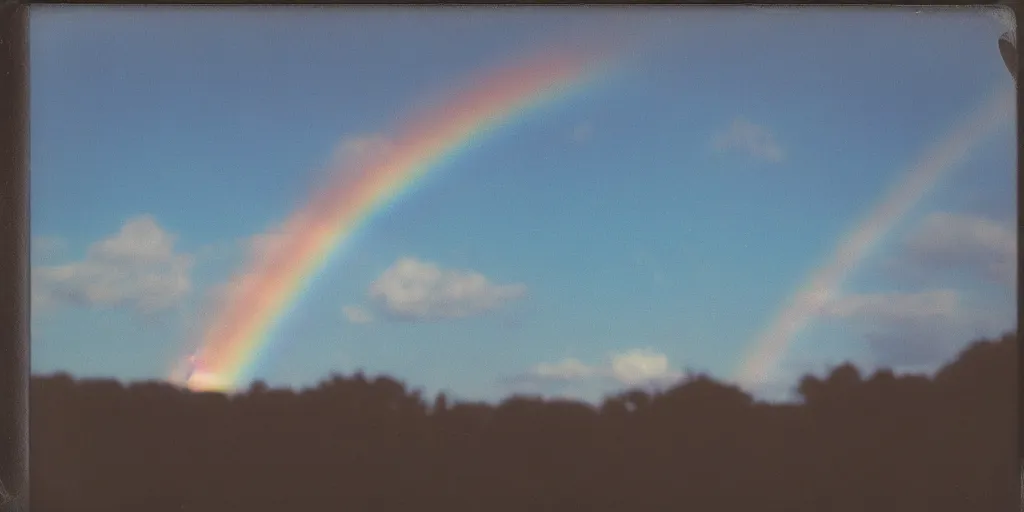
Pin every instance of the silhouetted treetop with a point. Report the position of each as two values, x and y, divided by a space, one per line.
886 442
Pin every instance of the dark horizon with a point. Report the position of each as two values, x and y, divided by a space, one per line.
654 387
881 442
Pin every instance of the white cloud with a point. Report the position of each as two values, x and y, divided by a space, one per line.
968 242
636 367
415 290
641 366
746 137
357 314
137 267
565 370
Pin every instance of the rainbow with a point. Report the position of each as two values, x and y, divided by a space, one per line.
257 300
824 283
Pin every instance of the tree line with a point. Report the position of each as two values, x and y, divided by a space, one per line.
854 443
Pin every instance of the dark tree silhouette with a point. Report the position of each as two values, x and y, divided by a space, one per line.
876 443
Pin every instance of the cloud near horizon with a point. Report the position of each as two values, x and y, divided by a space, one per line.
415 290
743 136
636 367
951 241
910 330
889 308
136 267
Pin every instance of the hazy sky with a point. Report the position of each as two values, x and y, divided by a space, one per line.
652 223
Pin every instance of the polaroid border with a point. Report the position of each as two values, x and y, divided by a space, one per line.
14 272
15 346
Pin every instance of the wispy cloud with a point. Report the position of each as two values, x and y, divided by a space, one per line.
911 330
891 308
915 347
636 367
137 267
743 136
566 370
422 291
949 241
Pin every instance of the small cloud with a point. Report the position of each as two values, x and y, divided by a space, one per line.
922 346
582 132
357 314
911 330
421 291
637 367
137 266
947 241
743 136
641 366
912 348
566 370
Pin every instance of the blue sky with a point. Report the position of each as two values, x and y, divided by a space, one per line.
654 222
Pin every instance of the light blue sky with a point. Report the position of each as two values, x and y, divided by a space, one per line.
629 228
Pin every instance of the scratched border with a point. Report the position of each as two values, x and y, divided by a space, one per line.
14 230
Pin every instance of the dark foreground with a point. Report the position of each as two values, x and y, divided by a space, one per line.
871 444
